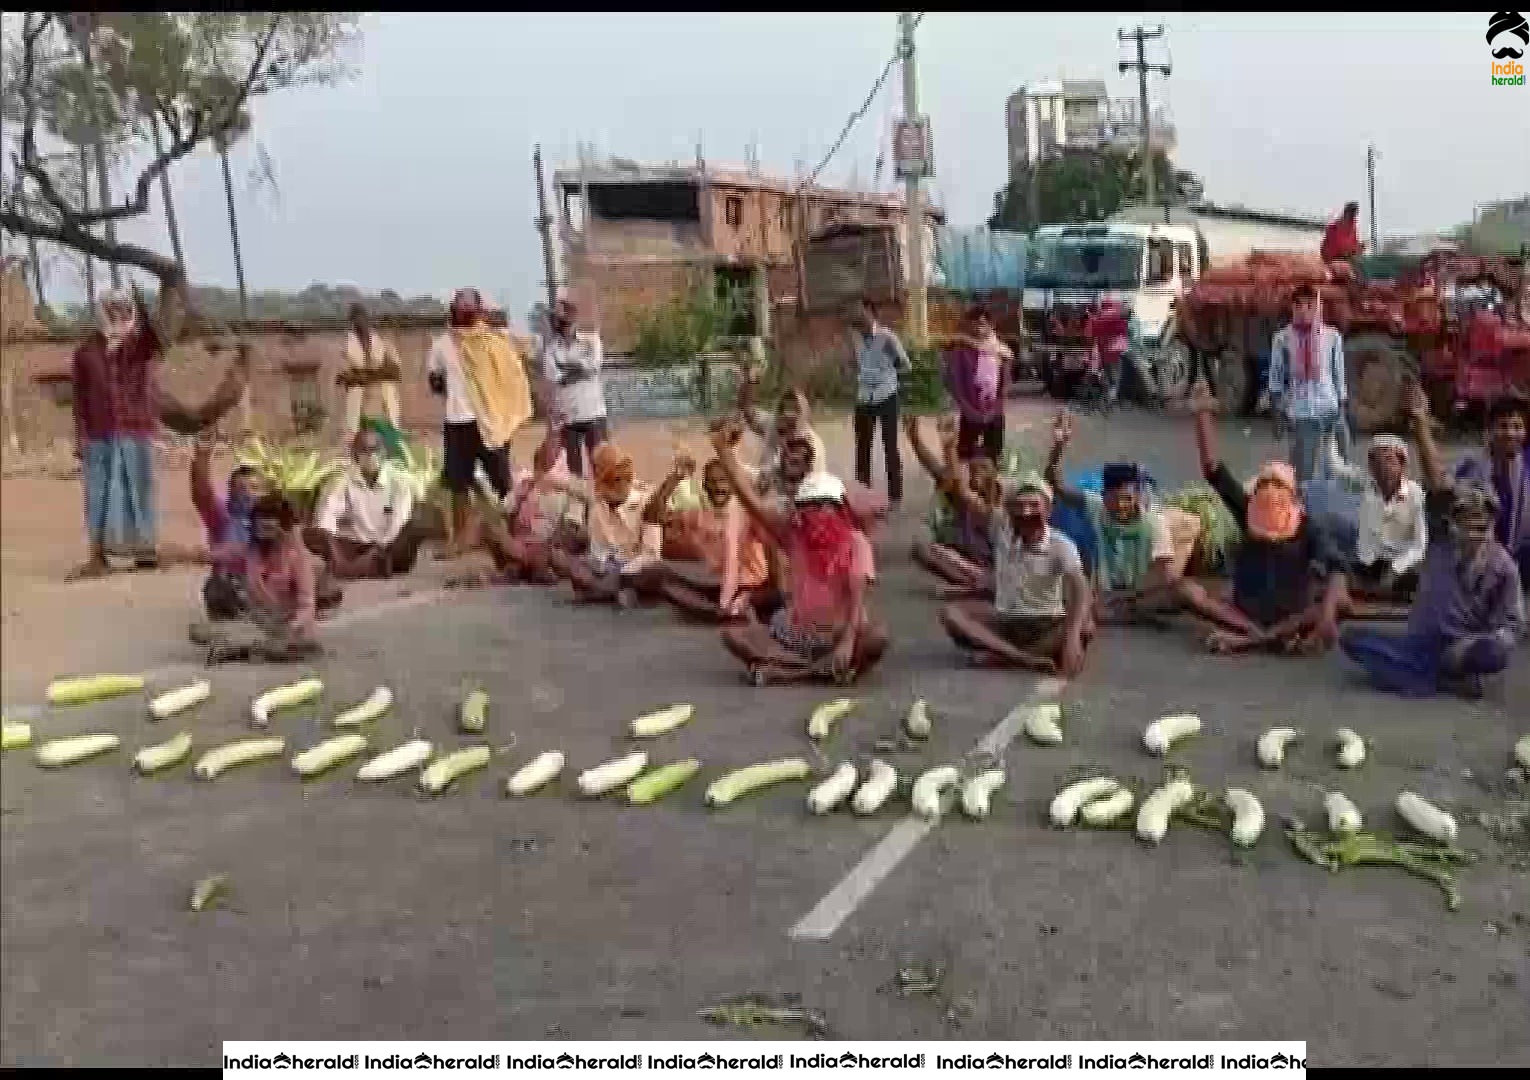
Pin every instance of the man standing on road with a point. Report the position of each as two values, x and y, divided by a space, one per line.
977 374
115 419
478 370
1306 384
571 363
879 360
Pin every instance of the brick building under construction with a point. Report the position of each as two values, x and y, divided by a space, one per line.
632 237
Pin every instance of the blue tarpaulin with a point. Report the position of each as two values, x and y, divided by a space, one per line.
973 261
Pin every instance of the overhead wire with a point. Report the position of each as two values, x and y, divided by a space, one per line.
859 114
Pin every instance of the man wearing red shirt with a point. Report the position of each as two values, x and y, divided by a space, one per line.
115 419
1341 240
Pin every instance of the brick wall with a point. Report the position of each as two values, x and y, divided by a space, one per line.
615 296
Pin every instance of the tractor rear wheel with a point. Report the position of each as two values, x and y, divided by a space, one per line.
1233 382
1378 369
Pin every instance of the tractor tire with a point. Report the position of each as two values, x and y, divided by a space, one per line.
1233 382
1173 367
1378 369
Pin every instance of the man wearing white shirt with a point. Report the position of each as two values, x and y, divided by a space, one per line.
571 365
1392 537
363 527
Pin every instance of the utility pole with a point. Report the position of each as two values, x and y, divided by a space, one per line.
544 226
918 311
1370 190
1142 35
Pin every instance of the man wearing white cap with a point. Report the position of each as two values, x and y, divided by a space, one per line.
1040 615
825 631
1392 536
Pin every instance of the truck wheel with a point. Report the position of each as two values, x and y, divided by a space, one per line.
1234 382
1377 368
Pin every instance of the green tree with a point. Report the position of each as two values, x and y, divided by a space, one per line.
1080 185
194 74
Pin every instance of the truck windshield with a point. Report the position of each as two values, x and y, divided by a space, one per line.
1108 262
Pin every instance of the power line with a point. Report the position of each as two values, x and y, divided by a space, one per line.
859 114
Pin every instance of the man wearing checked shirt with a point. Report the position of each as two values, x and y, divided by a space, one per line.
879 360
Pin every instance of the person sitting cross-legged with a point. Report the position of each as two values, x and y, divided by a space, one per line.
731 578
1285 597
367 525
280 623
1137 579
1040 615
1469 612
963 557
621 561
1392 532
826 630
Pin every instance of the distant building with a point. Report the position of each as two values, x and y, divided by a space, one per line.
1056 115
634 236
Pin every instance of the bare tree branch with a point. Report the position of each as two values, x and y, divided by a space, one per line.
181 145
70 235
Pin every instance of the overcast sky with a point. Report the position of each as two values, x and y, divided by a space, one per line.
416 174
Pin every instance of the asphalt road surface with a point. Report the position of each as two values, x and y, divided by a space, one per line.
364 912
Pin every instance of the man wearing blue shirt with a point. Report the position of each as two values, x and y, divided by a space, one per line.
1306 382
879 360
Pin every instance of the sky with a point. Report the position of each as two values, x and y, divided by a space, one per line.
416 173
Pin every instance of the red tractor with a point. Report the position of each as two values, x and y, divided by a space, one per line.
1456 323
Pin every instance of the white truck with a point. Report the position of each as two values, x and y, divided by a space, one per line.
1145 258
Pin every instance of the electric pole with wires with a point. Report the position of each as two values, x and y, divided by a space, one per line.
1142 35
918 307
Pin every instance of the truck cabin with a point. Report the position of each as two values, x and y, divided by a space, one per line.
1069 267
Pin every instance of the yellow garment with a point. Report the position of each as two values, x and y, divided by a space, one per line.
496 382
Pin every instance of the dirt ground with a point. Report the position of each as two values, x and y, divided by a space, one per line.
366 912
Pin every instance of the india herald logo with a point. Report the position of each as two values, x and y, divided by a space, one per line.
1508 35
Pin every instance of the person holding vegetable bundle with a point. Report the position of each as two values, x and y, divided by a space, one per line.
1469 612
825 631
1285 597
1138 575
731 578
1040 617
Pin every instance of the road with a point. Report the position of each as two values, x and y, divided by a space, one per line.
366 912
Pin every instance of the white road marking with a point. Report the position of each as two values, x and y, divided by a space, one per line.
841 902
